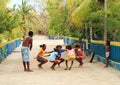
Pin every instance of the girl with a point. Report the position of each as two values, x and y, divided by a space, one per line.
70 56
79 54
40 55
107 49
60 51
53 58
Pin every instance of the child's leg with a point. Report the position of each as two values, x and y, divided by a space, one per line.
28 66
80 61
54 64
71 65
42 62
61 60
66 62
107 60
24 64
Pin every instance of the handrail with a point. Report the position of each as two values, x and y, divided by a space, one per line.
3 44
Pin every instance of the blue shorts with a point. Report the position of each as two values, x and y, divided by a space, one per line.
25 54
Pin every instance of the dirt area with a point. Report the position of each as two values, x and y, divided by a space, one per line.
11 70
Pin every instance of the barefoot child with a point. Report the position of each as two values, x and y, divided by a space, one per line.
60 51
25 51
79 54
40 57
107 49
70 56
53 58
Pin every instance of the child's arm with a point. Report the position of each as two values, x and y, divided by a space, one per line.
36 57
47 55
49 52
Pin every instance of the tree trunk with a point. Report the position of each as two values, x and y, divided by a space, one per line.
24 28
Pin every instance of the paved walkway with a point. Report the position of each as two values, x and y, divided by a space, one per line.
11 70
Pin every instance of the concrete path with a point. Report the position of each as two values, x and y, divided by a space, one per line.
11 70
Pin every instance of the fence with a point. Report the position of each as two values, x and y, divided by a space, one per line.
98 47
7 48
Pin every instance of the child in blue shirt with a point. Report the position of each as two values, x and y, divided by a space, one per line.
53 58
60 51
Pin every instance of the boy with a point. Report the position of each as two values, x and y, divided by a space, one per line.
107 49
26 46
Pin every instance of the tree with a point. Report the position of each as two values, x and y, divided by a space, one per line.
25 12
3 4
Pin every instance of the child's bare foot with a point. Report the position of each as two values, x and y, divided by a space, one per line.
52 68
58 64
70 68
66 69
29 70
105 66
40 66
25 69
80 64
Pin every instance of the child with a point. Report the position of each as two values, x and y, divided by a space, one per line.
107 49
60 51
40 55
79 54
70 56
53 59
25 51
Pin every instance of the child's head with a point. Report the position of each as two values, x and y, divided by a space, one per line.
30 33
58 47
69 47
107 42
56 50
77 46
43 46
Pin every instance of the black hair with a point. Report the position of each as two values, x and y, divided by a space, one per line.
43 45
30 33
77 46
55 49
69 47
108 42
58 46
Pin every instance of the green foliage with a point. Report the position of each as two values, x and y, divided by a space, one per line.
8 21
58 16
95 19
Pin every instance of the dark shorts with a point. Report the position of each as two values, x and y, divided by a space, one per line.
55 61
59 58
79 59
41 59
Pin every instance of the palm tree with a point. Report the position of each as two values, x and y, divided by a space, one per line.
25 12
78 16
3 4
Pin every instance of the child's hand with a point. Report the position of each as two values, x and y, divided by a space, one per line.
46 55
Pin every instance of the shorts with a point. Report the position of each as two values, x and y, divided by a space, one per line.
25 54
59 58
79 59
107 54
70 58
41 59
55 61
